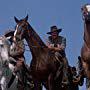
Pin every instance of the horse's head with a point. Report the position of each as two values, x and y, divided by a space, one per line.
4 48
21 27
25 31
86 12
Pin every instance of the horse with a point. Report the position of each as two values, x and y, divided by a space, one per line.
5 66
43 66
85 50
76 78
22 73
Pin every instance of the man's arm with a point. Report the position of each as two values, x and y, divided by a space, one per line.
63 44
58 48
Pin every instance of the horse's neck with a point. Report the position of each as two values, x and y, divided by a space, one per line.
34 41
87 33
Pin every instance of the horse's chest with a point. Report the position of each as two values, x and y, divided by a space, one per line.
4 70
3 53
85 53
40 65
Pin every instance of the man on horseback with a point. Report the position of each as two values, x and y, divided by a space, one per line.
58 44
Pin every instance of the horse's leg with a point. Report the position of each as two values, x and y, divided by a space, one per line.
0 86
11 80
37 85
3 83
86 68
20 84
20 80
51 82
45 84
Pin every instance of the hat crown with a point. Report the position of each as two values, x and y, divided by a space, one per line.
54 28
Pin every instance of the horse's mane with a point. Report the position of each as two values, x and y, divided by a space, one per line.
33 33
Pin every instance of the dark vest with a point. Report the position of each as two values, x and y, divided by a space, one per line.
57 41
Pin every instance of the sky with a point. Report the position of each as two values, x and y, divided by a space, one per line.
43 14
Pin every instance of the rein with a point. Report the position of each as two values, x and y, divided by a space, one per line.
36 46
32 46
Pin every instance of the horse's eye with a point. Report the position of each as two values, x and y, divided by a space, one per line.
20 28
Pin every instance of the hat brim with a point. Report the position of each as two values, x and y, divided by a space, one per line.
58 30
10 33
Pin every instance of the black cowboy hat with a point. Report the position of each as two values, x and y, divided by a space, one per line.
9 33
54 29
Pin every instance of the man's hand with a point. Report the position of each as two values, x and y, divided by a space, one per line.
54 48
61 47
58 48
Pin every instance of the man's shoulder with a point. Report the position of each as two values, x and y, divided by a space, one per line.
49 37
61 37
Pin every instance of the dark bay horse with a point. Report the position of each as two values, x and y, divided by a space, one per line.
43 67
85 50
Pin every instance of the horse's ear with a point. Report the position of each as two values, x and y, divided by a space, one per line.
26 18
16 20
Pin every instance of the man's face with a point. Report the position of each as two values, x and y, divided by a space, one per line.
54 35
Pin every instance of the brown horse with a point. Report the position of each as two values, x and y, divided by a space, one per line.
43 66
85 50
